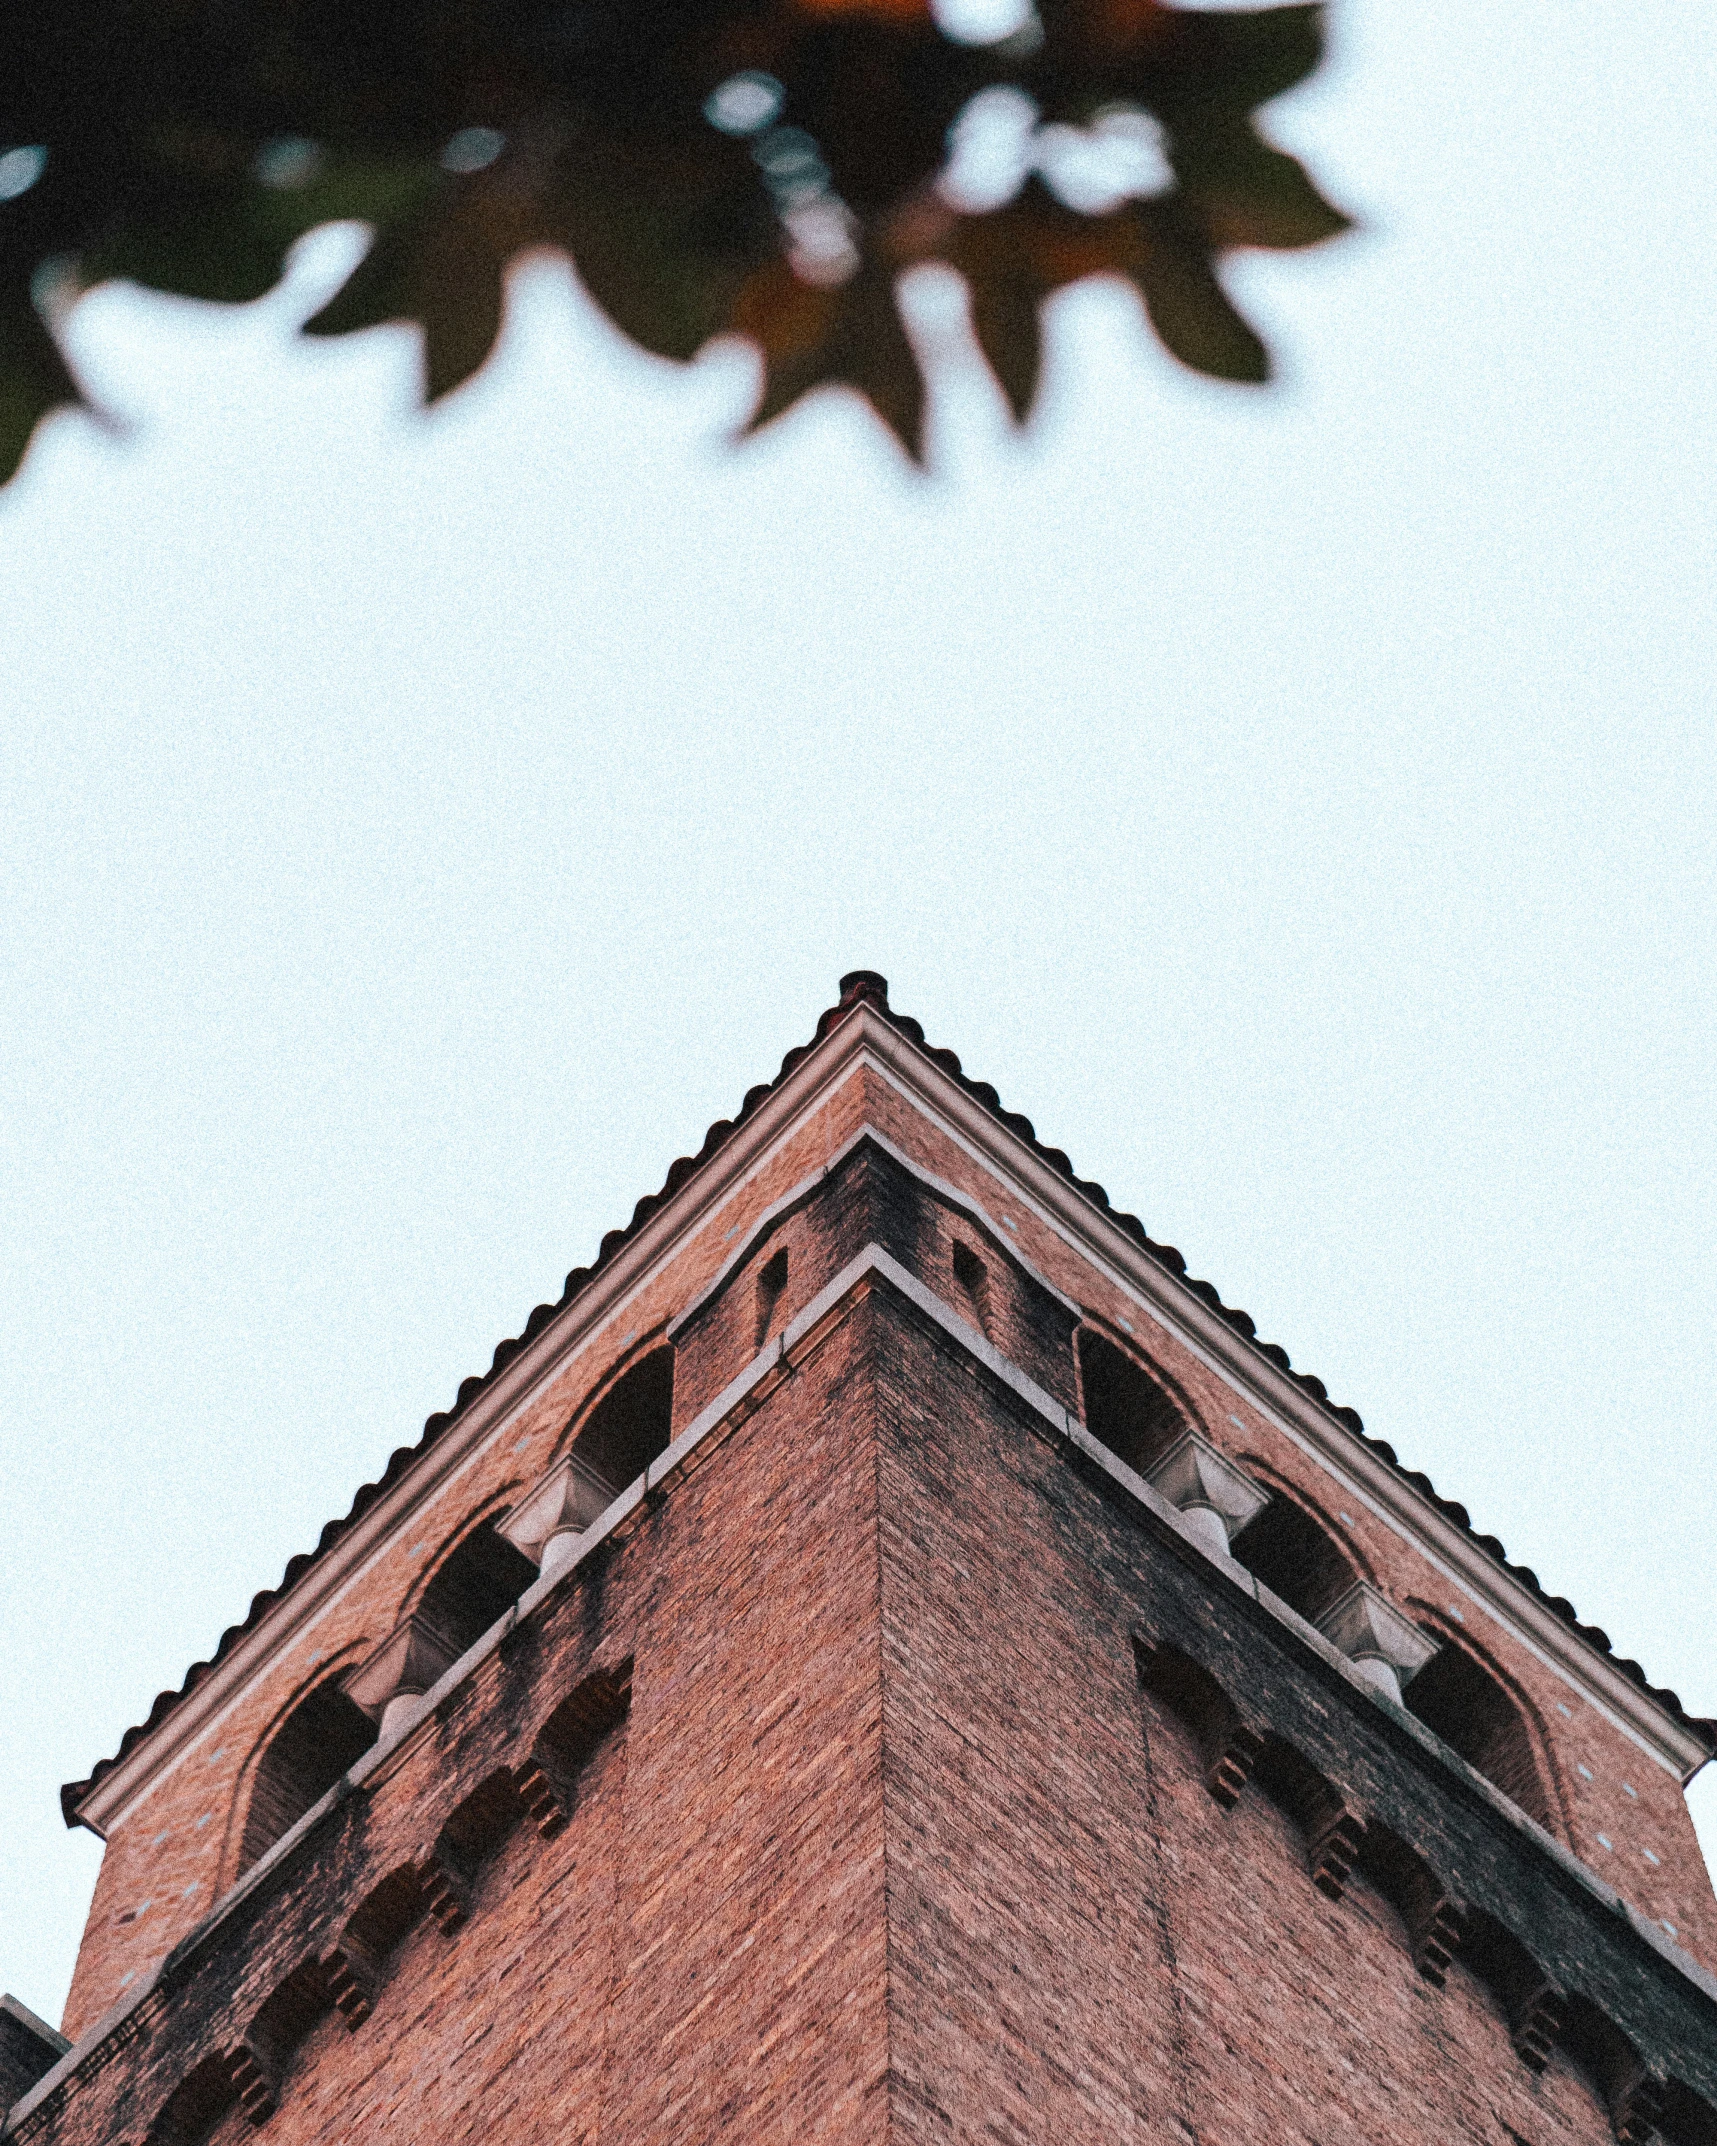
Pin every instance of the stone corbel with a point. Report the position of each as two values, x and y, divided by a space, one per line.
549 1521
254 2068
1382 1645
1536 2017
415 1656
1636 2105
446 1885
353 1976
1213 1497
1334 1837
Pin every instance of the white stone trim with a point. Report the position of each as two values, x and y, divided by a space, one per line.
1386 1493
864 1039
1195 1477
1054 1419
1373 1634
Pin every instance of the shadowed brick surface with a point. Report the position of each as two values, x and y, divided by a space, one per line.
892 1769
1085 1946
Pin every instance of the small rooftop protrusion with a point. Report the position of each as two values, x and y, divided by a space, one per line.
29 2050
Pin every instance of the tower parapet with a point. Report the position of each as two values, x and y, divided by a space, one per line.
889 1651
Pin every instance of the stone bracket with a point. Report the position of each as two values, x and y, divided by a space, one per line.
544 1805
255 2079
352 1978
446 1888
1332 1848
1636 2107
1537 2019
1227 1774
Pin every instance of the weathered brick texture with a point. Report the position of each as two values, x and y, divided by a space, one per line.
1086 1944
894 1766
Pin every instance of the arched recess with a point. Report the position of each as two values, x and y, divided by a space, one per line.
260 2062
1131 1408
1490 1724
357 1966
1228 1748
1534 2008
1295 1552
548 1781
1631 2097
323 1735
475 1832
195 2106
473 1587
627 1426
1429 1913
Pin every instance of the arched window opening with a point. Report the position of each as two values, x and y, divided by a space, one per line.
325 1735
1125 1408
628 1427
475 1588
1455 1695
1295 1558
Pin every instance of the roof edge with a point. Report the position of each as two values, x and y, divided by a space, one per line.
866 992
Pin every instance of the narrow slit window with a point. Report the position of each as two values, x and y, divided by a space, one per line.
771 1288
973 1278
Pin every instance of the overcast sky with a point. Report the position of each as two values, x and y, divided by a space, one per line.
412 834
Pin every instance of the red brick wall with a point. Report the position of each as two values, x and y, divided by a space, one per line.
702 1951
1084 1946
484 2034
1041 1877
890 1836
1603 1787
175 1851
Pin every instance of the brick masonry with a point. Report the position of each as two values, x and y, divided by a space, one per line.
893 1766
1086 1943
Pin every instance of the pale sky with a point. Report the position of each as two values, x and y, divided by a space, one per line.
412 834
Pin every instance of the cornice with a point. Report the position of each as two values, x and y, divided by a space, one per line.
540 1361
865 1037
1282 1401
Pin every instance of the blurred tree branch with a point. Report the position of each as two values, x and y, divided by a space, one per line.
762 166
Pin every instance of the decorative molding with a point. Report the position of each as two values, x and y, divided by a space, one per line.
415 1655
1376 1638
1206 1488
865 1041
558 1508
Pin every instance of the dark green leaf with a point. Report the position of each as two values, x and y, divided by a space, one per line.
1244 193
191 143
33 378
849 335
1188 307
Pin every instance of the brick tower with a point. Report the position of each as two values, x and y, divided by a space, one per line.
889 1657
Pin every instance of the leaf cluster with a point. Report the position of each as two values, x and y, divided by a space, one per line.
187 144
